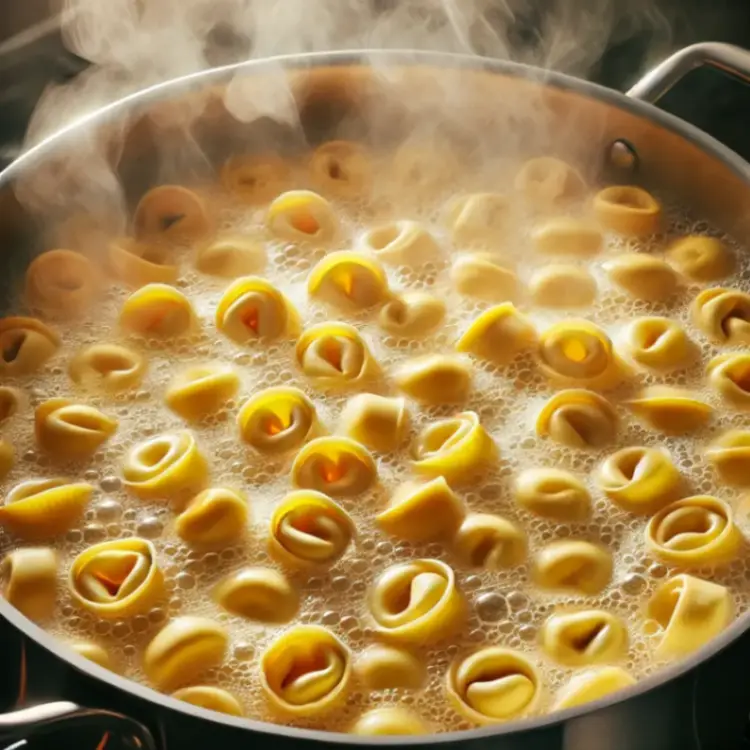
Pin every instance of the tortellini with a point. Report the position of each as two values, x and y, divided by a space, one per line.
201 391
337 466
230 257
584 637
564 235
388 720
435 379
402 243
546 182
211 698
498 334
658 343
171 212
591 685
348 281
25 345
673 411
302 216
7 458
277 420
94 652
215 516
252 308
416 601
69 430
416 170
578 418
139 263
479 220
411 314
62 282
723 315
167 466
491 542
562 286
701 258
493 684
157 310
306 671
422 512
334 355
255 178
308 528
643 276
12 400
483 276
29 581
729 375
693 532
639 479
183 649
628 210
341 168
382 667
690 612
553 493
730 456
111 367
457 448
378 422
260 594
573 565
117 579
40 508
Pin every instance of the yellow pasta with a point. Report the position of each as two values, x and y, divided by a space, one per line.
62 282
7 458
201 391
302 216
573 565
25 345
252 308
658 343
483 275
416 602
562 286
260 594
578 418
729 454
388 720
491 542
642 276
639 479
173 213
39 508
422 512
701 258
694 532
553 493
211 698
378 422
723 315
457 448
349 281
334 355
110 367
546 182
216 516
94 652
29 581
673 411
690 612
337 466
117 579
167 466
493 684
230 257
279 419
306 671
308 528
138 263
157 310
435 379
342 169
479 220
583 637
628 210
255 178
69 430
411 314
563 235
591 685
402 243
183 649
12 400
729 376
383 667
498 334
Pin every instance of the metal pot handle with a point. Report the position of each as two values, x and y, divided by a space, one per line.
726 57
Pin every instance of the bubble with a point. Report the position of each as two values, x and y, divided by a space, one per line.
93 533
149 527
491 607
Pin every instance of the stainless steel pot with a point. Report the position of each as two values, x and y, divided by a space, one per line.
699 702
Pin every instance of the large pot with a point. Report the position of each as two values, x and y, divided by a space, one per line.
700 702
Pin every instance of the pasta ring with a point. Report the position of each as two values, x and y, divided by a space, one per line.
388 720
157 310
490 542
479 220
563 235
171 212
435 379
108 366
255 178
591 685
25 345
338 466
658 343
562 286
302 216
584 637
729 375
230 257
723 315
348 280
553 493
69 430
12 400
215 516
483 276
382 667
402 243
628 210
673 411
62 282
498 334
411 314
573 565
210 698
260 594
545 182
202 391
642 276
29 578
379 423
701 258
729 454
578 418
341 168
138 263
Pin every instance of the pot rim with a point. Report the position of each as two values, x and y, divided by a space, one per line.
358 58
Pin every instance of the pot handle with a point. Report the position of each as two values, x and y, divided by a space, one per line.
726 57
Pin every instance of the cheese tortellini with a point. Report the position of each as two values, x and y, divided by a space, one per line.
308 528
260 594
62 282
628 210
411 314
117 579
348 281
490 542
578 418
701 258
12 400
302 216
230 257
306 671
553 493
583 637
693 532
723 315
29 581
172 213
255 178
658 343
478 220
561 286
157 310
68 430
341 168
215 516
673 411
564 235
591 685
389 720
730 456
484 276
546 182
139 263
378 422
382 667
111 367
498 334
643 276
337 466
25 345
493 684
201 391
573 565
435 379
729 375
402 243
211 698
416 601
